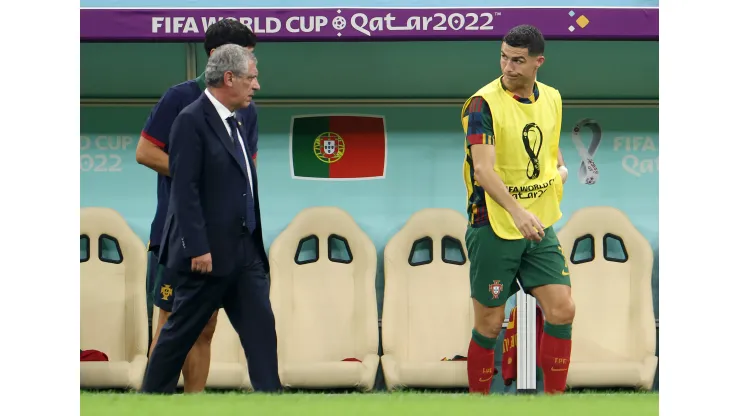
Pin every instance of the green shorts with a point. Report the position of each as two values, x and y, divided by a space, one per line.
496 264
154 275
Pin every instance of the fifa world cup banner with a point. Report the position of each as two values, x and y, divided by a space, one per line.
382 24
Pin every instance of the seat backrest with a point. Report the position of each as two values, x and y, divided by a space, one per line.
112 285
322 271
611 265
427 311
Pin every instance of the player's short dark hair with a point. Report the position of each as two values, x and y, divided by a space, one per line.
229 31
526 36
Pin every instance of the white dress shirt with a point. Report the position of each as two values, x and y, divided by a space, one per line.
224 113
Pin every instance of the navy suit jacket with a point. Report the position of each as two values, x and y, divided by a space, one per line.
207 208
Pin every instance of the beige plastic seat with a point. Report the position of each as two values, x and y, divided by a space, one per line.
427 309
113 316
322 270
228 369
614 328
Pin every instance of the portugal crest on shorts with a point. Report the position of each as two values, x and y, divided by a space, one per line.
328 147
166 292
496 288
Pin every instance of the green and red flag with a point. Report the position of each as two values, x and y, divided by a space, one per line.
336 147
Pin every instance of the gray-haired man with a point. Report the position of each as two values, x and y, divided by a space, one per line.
152 152
212 238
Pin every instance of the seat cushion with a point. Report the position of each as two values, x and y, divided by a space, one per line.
228 376
639 374
441 374
331 374
112 374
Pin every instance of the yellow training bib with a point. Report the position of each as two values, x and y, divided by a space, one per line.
526 137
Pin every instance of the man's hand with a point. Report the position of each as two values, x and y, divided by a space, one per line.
561 167
529 225
563 171
202 264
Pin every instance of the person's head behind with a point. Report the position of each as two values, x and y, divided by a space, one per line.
522 54
228 31
231 72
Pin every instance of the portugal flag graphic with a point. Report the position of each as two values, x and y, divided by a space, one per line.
338 147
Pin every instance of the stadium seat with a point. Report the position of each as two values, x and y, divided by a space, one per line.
228 369
322 270
427 310
611 266
113 316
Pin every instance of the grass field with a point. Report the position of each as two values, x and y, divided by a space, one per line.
383 404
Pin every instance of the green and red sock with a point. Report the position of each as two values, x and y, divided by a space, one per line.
480 363
555 356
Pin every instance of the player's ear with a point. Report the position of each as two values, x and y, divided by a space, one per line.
211 51
540 61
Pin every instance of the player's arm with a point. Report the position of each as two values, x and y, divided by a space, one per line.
150 151
480 138
482 149
484 158
151 155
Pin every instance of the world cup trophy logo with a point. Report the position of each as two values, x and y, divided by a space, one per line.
588 173
328 147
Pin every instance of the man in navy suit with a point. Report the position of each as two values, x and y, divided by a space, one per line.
212 235
152 152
